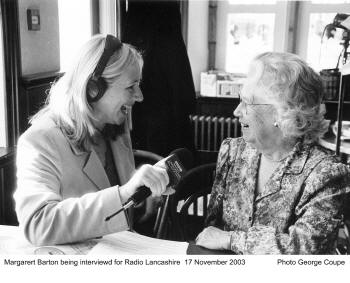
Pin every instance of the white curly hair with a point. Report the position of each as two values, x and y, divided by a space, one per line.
296 91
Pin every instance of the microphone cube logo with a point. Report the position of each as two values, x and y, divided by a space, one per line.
175 169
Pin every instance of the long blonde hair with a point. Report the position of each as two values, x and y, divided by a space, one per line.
67 103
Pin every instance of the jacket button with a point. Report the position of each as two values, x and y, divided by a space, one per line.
250 218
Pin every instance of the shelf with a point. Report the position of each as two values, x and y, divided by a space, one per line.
216 106
35 80
345 69
6 153
329 142
335 102
216 97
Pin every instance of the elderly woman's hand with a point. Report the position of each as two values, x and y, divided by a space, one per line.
153 177
214 238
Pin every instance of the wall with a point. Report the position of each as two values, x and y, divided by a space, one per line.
39 49
197 44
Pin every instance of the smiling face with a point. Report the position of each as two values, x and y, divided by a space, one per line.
257 120
114 105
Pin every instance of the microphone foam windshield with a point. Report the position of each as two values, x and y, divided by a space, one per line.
177 164
185 156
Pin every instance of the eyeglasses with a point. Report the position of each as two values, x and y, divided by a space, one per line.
245 104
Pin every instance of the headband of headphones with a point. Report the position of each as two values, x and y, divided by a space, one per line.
97 86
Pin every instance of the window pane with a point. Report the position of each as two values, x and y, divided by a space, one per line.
75 28
247 36
322 55
251 2
330 2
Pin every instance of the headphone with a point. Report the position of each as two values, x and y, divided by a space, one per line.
96 85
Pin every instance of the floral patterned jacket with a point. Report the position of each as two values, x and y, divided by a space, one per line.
299 211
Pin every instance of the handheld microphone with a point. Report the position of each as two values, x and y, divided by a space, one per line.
177 164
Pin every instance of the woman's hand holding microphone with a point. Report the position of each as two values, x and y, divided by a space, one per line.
153 177
154 181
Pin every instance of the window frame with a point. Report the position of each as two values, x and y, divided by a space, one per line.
12 69
3 111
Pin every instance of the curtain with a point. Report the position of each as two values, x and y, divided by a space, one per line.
161 122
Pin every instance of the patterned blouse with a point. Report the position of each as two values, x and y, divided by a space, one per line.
299 210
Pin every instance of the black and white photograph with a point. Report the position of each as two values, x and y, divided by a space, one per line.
209 138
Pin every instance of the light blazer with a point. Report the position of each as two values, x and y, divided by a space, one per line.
63 194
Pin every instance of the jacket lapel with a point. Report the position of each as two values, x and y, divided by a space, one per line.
94 170
251 157
92 167
294 164
123 156
273 185
123 159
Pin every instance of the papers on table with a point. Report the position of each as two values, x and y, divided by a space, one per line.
135 244
82 248
12 242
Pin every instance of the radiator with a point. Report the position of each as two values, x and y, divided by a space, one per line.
210 131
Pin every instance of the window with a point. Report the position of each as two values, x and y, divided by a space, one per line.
248 35
320 52
247 28
74 27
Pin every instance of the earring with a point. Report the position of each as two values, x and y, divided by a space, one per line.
275 124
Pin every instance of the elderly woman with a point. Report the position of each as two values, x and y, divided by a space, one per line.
276 190
75 163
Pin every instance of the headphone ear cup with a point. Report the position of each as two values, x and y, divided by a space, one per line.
95 89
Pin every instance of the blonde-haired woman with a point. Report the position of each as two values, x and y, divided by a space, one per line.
276 190
75 164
